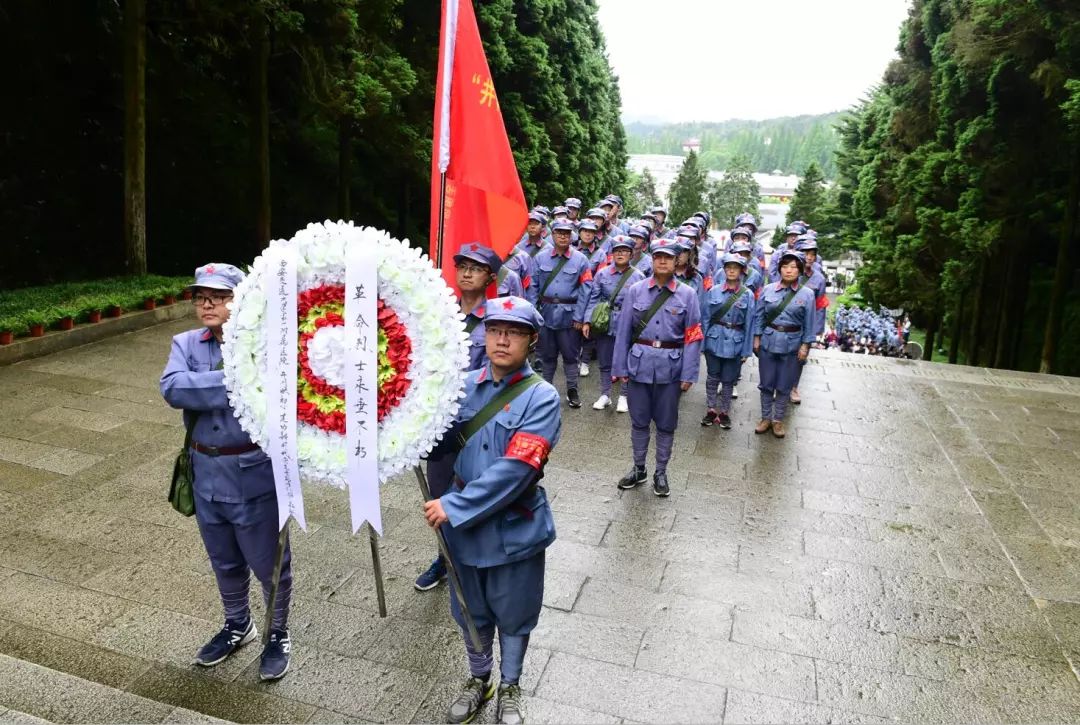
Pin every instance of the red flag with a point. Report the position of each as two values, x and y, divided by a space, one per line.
483 198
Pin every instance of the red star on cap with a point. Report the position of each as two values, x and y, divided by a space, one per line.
508 305
474 247
209 269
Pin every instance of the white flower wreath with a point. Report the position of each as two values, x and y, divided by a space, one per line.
414 291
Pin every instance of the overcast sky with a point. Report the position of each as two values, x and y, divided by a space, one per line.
747 58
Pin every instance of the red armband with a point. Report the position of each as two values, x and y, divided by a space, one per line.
526 283
707 283
529 448
586 276
693 334
822 302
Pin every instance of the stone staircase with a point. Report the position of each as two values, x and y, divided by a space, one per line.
33 693
49 678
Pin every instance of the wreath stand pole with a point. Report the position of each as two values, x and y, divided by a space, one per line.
451 570
376 564
275 580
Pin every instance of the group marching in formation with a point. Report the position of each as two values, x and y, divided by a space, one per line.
645 299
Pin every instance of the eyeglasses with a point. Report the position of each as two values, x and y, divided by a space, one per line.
512 333
200 300
471 269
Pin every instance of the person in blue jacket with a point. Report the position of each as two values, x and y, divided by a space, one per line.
783 331
815 280
477 270
496 518
535 239
791 234
640 258
235 498
686 271
521 264
563 282
726 315
746 219
753 278
657 354
587 245
615 277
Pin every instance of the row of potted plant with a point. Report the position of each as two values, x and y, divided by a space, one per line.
31 311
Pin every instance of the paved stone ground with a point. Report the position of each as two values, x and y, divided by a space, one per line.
911 551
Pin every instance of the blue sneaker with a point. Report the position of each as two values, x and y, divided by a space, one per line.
232 637
275 656
430 579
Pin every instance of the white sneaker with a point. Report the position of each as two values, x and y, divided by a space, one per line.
583 370
602 402
734 391
622 406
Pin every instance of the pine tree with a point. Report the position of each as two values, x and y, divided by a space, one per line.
809 202
735 192
688 190
642 194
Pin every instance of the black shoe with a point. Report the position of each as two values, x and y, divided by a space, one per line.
275 656
635 478
724 421
232 637
431 578
572 398
659 484
709 419
473 696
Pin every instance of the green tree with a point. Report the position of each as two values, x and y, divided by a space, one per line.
963 156
642 193
688 191
786 145
810 200
264 115
735 192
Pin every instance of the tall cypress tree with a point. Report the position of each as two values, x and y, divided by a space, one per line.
688 190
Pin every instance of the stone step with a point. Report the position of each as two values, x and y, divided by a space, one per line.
28 689
147 690
14 717
60 679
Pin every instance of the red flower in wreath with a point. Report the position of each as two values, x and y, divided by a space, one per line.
319 402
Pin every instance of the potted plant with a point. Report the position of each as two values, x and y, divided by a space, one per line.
8 325
65 316
149 303
36 320
185 294
88 307
114 305
91 307
166 292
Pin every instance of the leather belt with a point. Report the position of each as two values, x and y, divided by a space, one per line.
786 328
215 451
730 325
664 344
559 300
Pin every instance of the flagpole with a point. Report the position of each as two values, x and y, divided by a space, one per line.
442 222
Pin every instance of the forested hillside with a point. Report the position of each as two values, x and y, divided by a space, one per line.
264 115
959 178
785 144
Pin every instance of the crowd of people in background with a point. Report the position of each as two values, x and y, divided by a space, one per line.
866 332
